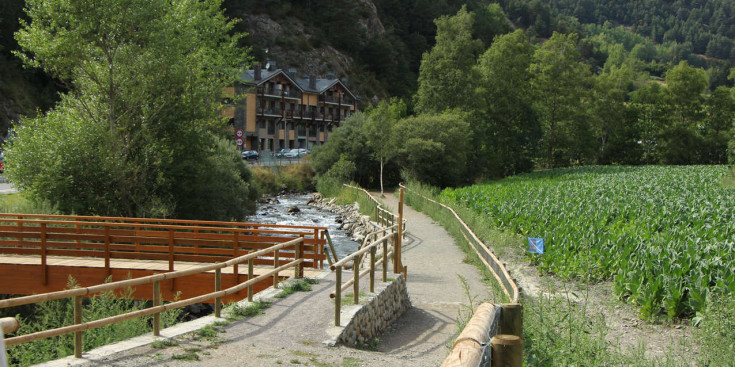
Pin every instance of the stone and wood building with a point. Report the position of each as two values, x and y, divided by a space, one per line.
279 109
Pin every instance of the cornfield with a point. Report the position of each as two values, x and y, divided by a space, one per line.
665 235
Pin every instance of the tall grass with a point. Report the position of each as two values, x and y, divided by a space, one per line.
294 177
58 313
18 203
333 188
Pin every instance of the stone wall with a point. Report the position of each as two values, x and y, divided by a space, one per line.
383 308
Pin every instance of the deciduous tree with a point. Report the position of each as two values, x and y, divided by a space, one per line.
140 133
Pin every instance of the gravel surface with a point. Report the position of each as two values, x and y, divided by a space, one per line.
292 331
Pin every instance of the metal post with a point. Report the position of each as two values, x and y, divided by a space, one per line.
156 302
77 321
217 288
338 295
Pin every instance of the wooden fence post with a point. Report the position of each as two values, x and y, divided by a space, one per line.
297 256
399 240
217 288
107 252
356 279
507 351
338 295
156 302
77 321
385 261
372 269
171 254
275 265
511 319
250 276
44 267
236 253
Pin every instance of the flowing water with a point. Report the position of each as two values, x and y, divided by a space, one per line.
308 215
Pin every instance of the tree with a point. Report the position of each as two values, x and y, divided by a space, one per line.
434 149
508 127
348 143
445 80
558 83
378 130
680 139
140 132
720 115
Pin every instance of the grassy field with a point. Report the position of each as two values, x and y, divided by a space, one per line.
664 234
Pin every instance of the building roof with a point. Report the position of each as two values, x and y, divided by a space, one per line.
248 77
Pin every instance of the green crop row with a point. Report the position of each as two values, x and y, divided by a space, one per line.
664 234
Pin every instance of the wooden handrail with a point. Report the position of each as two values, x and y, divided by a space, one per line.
143 280
386 223
84 218
364 249
495 265
148 280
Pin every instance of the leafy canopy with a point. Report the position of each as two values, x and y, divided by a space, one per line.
140 133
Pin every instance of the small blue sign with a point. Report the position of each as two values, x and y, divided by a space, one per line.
536 245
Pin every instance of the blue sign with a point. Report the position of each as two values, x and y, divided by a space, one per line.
536 245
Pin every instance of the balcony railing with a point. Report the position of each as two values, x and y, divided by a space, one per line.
278 92
334 99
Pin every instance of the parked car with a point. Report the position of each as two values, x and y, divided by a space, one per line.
296 153
250 155
282 153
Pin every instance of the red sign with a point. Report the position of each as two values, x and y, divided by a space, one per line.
239 133
239 142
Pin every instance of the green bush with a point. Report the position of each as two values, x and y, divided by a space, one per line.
58 313
297 177
266 180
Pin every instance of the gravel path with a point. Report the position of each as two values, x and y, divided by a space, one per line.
292 330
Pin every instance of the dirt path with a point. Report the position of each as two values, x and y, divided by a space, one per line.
292 330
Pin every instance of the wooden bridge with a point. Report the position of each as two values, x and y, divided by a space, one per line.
39 253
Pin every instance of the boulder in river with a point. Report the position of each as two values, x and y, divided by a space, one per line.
293 209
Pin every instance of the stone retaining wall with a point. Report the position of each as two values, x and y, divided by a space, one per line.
383 308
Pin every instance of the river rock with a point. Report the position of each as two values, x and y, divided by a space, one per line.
293 209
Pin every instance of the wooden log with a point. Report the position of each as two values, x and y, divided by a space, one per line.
9 325
511 319
467 349
507 351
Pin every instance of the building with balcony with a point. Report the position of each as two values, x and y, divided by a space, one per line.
277 109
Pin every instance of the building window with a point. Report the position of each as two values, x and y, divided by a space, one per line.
271 127
312 131
301 130
261 124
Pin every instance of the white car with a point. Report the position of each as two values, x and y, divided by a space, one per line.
296 153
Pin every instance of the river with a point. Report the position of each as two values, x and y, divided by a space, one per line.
270 213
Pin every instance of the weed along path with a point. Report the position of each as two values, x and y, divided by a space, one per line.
292 330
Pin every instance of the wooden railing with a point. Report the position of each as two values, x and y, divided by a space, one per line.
296 245
486 256
149 239
390 234
391 229
501 324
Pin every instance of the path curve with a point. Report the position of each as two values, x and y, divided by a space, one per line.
292 330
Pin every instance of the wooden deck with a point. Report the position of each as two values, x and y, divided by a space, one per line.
40 253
